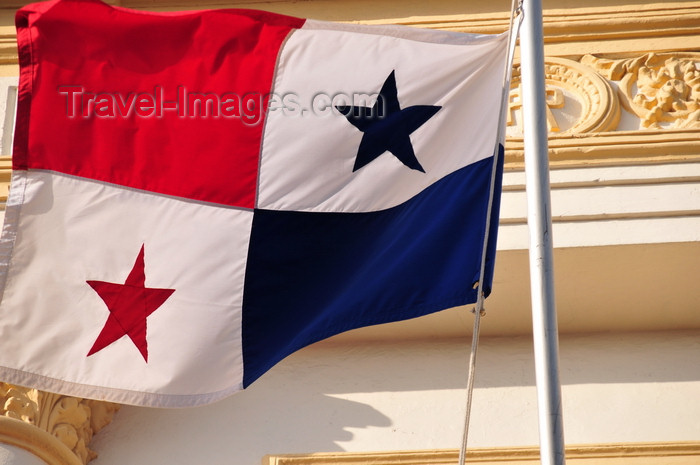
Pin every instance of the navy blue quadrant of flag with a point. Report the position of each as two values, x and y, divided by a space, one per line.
312 275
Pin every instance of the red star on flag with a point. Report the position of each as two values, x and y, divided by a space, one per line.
129 305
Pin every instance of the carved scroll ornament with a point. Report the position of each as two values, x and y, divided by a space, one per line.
72 420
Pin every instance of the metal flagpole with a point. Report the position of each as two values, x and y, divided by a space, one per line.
544 319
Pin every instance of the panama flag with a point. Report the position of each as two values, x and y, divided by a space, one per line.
196 195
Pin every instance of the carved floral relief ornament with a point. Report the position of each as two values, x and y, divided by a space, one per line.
662 89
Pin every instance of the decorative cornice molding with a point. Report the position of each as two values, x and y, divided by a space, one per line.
72 421
8 49
586 24
581 24
621 148
683 453
661 90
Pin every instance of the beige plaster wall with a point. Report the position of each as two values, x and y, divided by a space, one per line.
13 455
378 397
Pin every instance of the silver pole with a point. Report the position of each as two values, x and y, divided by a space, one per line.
544 318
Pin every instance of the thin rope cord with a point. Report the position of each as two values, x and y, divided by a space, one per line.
479 307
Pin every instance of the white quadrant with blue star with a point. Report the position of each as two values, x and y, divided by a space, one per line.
432 123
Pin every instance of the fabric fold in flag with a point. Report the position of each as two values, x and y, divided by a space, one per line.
197 195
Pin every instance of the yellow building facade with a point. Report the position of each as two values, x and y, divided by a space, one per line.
623 104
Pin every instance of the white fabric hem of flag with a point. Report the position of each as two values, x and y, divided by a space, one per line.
13 206
120 396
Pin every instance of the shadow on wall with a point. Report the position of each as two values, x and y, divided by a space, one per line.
669 356
619 358
320 397
280 413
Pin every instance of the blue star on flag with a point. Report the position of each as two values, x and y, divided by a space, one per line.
386 126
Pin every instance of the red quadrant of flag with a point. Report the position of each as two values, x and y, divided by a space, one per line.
120 57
